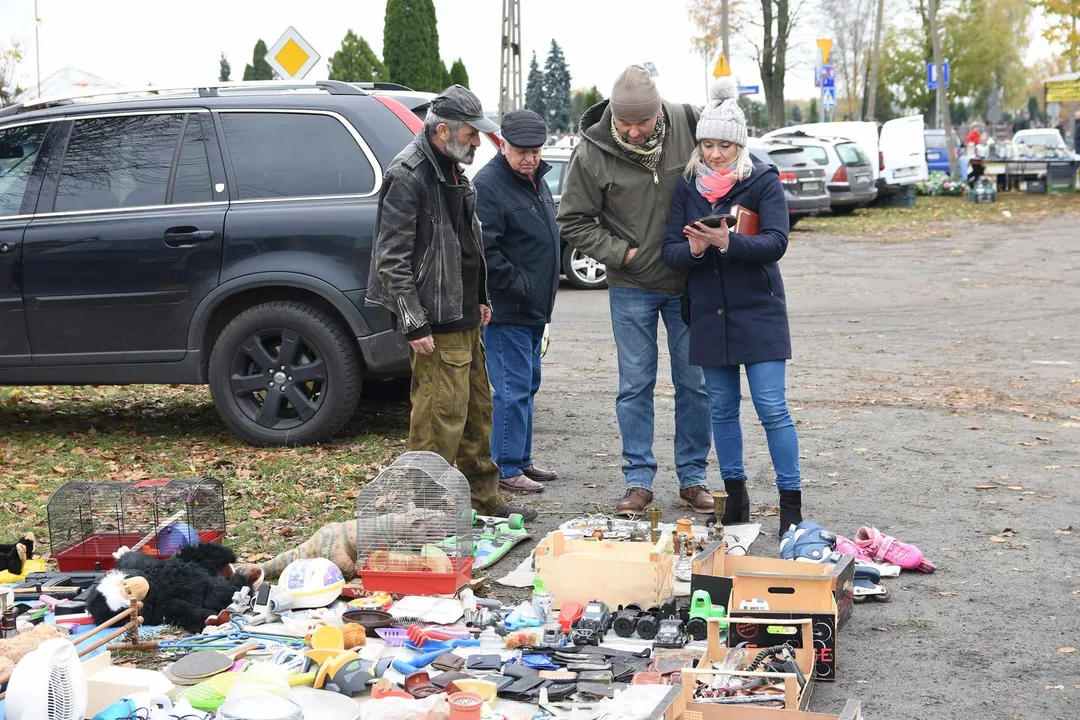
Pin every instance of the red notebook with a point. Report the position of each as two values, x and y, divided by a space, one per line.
747 222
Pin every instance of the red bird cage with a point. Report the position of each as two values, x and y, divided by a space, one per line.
89 521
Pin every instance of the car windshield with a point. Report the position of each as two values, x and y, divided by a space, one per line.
850 154
1051 139
789 157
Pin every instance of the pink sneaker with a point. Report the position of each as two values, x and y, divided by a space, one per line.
881 547
846 547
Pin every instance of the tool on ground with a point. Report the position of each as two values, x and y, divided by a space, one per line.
206 663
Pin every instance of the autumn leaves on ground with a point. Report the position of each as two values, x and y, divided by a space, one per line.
274 496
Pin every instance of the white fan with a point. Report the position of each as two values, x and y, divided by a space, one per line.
48 684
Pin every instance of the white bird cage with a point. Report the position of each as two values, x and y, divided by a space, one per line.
414 527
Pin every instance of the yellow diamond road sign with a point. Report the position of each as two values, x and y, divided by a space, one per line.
292 57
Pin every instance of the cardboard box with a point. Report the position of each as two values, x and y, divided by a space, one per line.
821 591
616 573
795 698
851 711
106 683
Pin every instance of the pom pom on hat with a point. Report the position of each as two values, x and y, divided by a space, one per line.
723 89
723 119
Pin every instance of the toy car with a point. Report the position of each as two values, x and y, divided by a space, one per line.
671 634
586 636
597 618
626 619
701 609
553 635
649 623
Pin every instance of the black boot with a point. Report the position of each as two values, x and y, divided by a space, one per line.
737 509
790 509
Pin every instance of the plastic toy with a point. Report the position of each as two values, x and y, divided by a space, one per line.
312 582
671 634
701 609
568 615
626 620
593 624
649 624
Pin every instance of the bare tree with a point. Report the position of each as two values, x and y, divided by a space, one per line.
875 61
850 27
10 58
942 93
715 21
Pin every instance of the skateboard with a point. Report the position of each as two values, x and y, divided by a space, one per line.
493 537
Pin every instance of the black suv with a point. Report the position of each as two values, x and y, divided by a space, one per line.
217 235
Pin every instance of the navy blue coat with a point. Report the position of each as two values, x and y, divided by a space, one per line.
521 242
738 313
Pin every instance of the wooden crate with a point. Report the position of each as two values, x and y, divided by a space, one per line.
616 573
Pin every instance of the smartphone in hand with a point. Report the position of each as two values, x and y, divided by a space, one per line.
714 221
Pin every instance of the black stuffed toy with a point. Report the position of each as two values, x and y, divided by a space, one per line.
188 589
13 556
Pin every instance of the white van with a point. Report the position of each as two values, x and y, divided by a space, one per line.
899 146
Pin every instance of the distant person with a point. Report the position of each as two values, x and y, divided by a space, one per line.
737 307
1076 133
428 269
1022 122
974 137
614 206
521 244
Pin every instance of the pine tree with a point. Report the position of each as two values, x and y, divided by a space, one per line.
812 113
557 90
259 69
224 70
458 74
534 90
356 61
447 79
411 45
796 114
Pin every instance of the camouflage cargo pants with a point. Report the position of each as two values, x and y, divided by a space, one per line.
451 411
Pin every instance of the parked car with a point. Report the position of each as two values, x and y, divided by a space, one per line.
937 154
580 270
803 180
216 235
898 145
1041 143
848 171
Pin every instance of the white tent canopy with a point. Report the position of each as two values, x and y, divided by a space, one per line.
65 83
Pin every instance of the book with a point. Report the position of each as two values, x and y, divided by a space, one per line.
747 221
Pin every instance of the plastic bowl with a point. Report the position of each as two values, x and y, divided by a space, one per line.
370 619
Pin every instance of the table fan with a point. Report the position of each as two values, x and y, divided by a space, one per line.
48 684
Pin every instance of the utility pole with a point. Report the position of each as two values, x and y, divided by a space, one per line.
37 47
942 92
874 60
726 46
510 74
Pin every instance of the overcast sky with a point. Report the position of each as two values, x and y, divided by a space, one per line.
129 42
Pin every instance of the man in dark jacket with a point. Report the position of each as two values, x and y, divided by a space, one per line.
428 269
1076 133
521 244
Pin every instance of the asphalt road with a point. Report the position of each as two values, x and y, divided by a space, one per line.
936 391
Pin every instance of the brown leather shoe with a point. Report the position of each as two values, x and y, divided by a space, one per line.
634 502
534 473
698 497
520 483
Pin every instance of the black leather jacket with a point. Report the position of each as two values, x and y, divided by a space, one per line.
416 258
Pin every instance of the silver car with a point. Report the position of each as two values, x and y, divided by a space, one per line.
849 175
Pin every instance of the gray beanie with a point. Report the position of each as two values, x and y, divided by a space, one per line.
722 118
634 96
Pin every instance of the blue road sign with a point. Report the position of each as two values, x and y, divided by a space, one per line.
749 89
828 79
931 74
828 98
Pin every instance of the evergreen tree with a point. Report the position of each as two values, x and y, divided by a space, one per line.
224 70
447 79
796 114
534 90
557 90
812 113
259 69
411 45
356 61
580 101
458 74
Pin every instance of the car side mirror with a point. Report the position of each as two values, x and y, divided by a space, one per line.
10 151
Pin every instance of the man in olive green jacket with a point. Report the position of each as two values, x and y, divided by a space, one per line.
614 208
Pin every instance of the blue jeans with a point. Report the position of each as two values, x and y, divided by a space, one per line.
767 391
513 361
635 315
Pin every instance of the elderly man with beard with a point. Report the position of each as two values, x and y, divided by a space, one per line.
614 207
428 269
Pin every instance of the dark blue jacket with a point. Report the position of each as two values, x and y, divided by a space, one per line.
521 242
738 313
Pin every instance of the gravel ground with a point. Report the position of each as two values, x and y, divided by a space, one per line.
936 390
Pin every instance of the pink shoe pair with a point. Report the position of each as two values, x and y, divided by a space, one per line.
872 545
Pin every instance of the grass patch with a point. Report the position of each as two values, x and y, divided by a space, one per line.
275 497
937 216
916 622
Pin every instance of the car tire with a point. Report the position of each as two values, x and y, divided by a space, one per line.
582 271
842 209
315 394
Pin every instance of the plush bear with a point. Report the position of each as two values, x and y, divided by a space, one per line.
13 556
189 589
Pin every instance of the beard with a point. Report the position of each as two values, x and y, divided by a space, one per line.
457 152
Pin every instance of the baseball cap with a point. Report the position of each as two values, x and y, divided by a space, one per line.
459 103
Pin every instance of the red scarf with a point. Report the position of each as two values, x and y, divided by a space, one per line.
714 184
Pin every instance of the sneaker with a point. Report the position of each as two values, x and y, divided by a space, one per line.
634 502
528 514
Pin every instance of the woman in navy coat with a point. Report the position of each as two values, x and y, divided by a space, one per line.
737 309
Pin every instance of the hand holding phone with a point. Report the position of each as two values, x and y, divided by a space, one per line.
715 221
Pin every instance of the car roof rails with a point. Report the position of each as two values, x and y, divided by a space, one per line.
382 86
203 90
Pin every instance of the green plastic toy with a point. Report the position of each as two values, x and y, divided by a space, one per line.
701 609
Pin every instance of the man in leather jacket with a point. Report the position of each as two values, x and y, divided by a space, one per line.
428 269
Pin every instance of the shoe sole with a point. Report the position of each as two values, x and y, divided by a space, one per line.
688 504
630 513
519 490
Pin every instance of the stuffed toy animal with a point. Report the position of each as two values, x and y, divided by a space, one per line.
337 541
189 589
13 649
13 556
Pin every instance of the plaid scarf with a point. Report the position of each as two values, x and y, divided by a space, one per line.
647 153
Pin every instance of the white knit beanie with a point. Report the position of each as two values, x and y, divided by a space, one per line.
722 118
